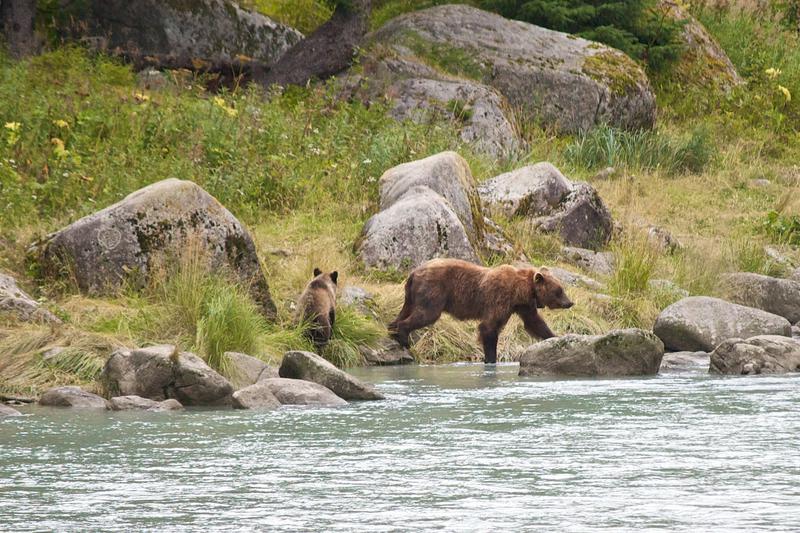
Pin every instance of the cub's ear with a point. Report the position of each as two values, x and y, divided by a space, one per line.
538 277
334 276
317 272
544 269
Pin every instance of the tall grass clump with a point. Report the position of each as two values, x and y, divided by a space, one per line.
605 146
351 331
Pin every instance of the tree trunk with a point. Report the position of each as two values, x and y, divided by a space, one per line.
18 18
328 50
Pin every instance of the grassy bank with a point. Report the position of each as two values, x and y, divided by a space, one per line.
300 169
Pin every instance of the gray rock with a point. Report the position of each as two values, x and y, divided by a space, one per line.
581 220
151 79
301 392
161 372
387 353
685 361
601 263
795 275
15 301
6 410
448 175
562 80
131 403
775 295
174 33
776 256
796 331
662 239
478 109
605 174
665 285
622 352
763 354
311 367
496 242
246 370
74 397
533 190
760 183
357 297
575 279
128 240
418 227
701 323
256 396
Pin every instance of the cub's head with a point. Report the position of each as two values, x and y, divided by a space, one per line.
328 279
548 291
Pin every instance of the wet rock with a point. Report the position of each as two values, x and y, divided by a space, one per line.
6 411
418 227
701 323
311 367
763 354
564 81
74 397
622 352
533 190
301 392
685 361
774 295
601 263
161 372
16 302
582 219
256 396
135 237
137 403
387 353
246 370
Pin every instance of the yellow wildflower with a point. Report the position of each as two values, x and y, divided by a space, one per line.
220 102
59 148
141 97
12 126
786 93
61 123
772 73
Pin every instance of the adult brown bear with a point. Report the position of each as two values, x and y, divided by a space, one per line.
471 292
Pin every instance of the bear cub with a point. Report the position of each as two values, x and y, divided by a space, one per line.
317 306
470 292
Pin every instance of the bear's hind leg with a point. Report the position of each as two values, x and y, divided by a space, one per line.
419 318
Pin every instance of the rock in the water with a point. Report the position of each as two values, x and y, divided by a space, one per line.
763 354
560 79
311 367
387 353
72 397
256 396
174 34
161 372
533 190
6 410
582 219
685 361
130 403
16 302
246 370
701 323
418 227
301 392
601 263
622 352
128 240
775 295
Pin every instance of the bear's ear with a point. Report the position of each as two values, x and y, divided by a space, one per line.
334 276
544 269
317 272
538 277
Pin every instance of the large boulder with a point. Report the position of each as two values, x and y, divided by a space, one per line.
161 372
418 227
701 323
137 403
533 190
559 79
245 370
763 354
178 33
256 396
622 352
311 367
74 397
582 219
775 295
6 410
300 392
16 302
127 241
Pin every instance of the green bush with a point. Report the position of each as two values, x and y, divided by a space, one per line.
783 229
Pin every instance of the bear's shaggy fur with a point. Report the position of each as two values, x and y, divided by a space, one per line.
317 305
471 292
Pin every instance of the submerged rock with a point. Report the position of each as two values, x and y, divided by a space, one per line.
161 372
6 410
15 301
311 367
301 392
622 352
256 396
246 370
701 323
763 354
132 403
774 295
130 240
74 397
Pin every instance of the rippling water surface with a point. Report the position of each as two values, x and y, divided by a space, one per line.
452 448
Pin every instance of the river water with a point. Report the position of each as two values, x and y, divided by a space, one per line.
453 448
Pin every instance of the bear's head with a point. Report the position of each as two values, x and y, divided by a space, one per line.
327 280
548 291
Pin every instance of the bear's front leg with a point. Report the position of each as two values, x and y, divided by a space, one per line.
535 324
